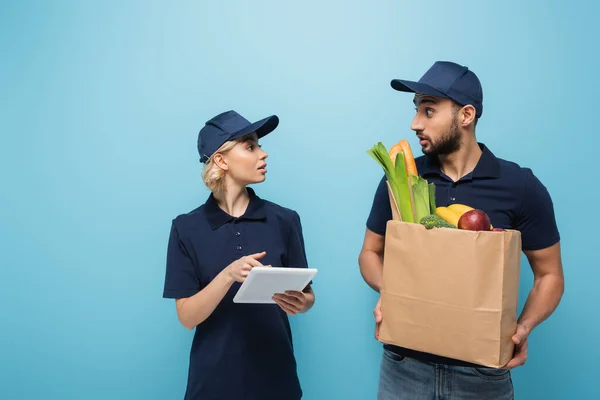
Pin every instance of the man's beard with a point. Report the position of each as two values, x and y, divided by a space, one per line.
448 144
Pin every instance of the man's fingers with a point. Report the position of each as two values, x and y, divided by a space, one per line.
515 362
519 357
378 317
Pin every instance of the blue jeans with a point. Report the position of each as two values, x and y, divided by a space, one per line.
406 378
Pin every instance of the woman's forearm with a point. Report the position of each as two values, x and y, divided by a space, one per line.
194 310
310 299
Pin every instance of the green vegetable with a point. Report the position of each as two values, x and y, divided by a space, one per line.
396 176
415 196
432 203
434 221
421 197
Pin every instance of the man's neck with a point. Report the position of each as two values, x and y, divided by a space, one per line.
462 162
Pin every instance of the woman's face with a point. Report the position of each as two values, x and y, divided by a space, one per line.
245 162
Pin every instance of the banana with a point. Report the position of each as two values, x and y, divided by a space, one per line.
447 215
460 208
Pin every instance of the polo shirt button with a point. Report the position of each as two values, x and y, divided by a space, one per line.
452 198
237 234
239 247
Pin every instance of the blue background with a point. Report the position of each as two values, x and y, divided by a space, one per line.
100 104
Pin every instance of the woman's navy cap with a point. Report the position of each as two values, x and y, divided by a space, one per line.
450 80
228 126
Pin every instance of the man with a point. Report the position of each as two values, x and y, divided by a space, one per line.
449 102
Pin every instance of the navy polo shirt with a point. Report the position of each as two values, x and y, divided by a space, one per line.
241 351
511 195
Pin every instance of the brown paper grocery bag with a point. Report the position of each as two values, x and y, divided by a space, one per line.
450 292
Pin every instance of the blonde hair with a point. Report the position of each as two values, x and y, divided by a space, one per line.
212 175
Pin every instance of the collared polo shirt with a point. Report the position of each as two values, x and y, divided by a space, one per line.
241 351
511 195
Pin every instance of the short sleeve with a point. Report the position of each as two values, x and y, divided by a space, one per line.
536 221
295 255
381 211
181 279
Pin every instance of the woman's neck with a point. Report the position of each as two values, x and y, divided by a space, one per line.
234 200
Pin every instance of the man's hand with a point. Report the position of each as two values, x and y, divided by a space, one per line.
378 317
548 288
520 338
292 302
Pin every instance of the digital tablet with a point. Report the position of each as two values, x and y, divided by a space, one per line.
263 282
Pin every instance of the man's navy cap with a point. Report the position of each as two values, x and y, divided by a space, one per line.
229 126
450 80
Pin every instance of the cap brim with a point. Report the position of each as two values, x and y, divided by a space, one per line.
415 87
262 127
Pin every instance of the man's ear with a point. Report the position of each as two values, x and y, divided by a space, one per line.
220 161
467 115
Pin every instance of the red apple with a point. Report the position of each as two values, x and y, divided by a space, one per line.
474 220
498 230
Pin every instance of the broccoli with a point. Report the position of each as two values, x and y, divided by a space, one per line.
434 221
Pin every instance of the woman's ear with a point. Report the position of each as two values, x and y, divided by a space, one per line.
220 161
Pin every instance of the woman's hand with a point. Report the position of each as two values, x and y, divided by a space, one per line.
292 302
240 268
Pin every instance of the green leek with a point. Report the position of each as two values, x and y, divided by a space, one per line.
432 203
420 188
396 176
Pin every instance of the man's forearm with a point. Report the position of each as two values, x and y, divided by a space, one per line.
541 301
371 269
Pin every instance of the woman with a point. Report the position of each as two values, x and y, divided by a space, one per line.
239 351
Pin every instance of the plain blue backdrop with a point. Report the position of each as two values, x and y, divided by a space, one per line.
100 105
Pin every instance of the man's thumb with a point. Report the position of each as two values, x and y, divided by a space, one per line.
518 338
378 315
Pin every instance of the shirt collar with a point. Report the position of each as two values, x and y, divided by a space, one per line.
487 166
217 217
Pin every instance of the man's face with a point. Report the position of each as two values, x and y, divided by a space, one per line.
436 125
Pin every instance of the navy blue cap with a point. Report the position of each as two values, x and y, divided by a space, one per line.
228 126
450 80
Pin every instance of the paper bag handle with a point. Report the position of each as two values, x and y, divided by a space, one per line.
395 211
